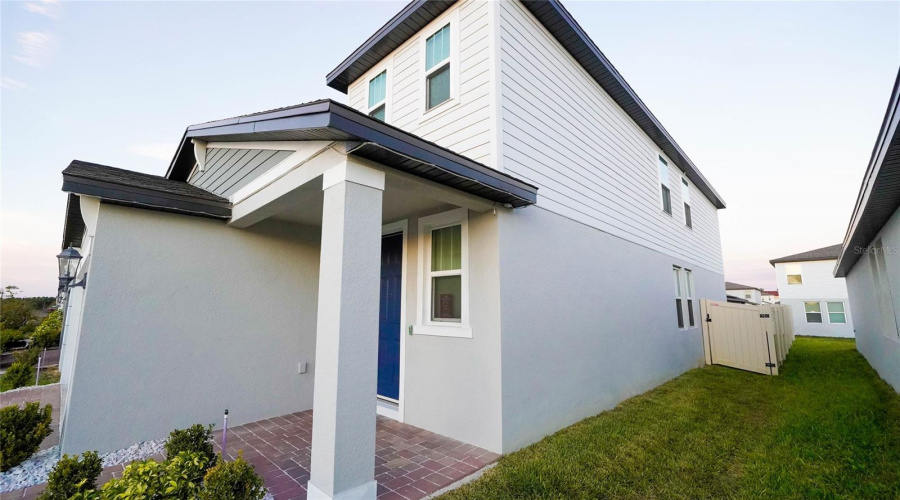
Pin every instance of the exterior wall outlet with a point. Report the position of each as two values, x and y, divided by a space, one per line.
301 367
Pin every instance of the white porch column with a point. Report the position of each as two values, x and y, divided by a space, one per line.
343 437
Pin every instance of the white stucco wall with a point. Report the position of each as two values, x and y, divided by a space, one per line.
588 321
875 338
185 317
819 285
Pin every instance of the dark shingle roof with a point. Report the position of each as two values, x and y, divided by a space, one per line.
825 253
737 286
122 177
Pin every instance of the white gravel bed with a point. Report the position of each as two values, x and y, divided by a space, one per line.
36 469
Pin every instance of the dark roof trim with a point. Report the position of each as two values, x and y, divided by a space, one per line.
737 286
825 253
557 20
104 182
879 194
329 120
74 228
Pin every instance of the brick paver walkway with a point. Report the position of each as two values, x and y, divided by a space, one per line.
45 394
410 463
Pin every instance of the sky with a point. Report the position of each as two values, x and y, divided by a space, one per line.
777 103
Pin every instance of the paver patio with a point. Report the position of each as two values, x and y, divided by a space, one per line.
410 463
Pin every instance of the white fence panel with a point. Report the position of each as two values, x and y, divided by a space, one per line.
748 337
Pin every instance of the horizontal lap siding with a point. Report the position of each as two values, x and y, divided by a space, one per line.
590 160
465 127
228 170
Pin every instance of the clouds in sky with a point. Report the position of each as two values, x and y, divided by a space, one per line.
35 48
12 84
157 150
48 8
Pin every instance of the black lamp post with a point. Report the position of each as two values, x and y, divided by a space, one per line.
69 260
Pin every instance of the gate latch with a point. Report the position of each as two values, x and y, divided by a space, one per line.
708 319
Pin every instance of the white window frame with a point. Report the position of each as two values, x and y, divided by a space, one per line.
660 162
686 203
820 313
424 324
829 313
788 273
387 69
689 300
451 18
679 296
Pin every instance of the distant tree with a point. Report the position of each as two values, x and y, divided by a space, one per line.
9 292
15 313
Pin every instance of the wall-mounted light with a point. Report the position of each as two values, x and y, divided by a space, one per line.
69 260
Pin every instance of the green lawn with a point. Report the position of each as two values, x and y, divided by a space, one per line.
827 427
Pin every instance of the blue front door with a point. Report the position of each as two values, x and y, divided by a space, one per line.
389 316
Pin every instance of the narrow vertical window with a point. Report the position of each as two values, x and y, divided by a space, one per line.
689 286
437 68
446 274
676 271
378 96
881 280
664 186
686 197
813 312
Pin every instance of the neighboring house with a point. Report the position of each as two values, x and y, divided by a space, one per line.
870 256
496 238
747 293
769 296
818 300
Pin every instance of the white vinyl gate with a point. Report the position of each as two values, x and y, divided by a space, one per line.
753 338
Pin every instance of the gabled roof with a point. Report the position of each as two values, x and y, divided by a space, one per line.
737 286
879 195
126 187
570 35
326 120
825 253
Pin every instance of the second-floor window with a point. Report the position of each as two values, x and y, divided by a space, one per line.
686 198
664 186
378 96
794 277
437 68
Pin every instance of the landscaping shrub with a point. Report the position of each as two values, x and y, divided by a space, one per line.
70 476
232 481
47 333
179 478
9 338
196 439
28 357
15 313
17 375
21 432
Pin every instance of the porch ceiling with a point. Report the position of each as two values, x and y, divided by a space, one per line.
378 142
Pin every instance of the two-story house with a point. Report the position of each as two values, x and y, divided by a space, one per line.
494 239
748 293
870 256
818 300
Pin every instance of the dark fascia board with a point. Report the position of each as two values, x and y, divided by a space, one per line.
345 123
557 20
120 194
868 219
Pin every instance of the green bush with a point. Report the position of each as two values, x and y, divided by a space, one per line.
70 476
8 337
195 439
15 313
17 375
28 357
47 333
179 478
21 432
232 481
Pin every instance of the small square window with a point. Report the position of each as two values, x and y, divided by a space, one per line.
813 312
794 276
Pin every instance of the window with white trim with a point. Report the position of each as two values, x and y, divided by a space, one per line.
686 198
378 96
836 312
443 268
886 309
438 68
665 192
689 288
676 272
813 312
794 274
